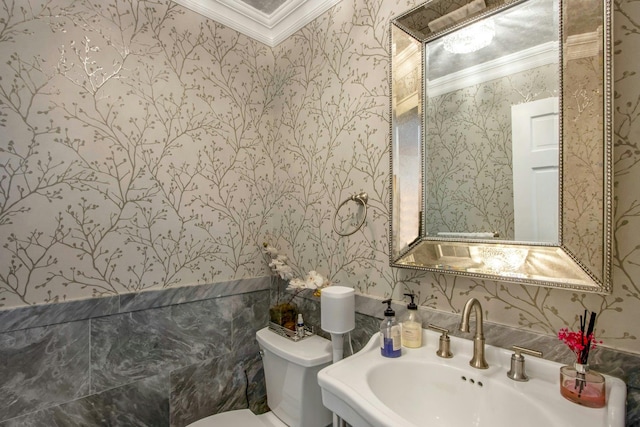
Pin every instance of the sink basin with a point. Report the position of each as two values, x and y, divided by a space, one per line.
421 389
453 397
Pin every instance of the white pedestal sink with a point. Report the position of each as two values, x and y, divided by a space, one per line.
422 389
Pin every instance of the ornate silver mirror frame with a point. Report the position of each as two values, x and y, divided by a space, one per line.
578 256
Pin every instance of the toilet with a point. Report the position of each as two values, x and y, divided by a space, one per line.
291 375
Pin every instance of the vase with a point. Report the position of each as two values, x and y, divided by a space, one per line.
284 314
583 386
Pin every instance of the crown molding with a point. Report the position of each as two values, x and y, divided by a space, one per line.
270 29
527 59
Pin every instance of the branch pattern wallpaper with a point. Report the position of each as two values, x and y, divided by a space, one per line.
144 146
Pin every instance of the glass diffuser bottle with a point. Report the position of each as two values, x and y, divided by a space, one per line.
577 383
582 386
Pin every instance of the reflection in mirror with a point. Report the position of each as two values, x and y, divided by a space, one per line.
492 127
499 164
585 195
407 120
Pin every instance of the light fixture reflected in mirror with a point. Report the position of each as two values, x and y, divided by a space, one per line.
470 39
501 260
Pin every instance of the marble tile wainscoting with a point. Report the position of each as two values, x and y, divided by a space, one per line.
166 358
157 358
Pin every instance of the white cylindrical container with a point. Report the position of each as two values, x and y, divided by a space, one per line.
338 311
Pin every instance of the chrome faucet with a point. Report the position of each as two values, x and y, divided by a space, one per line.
477 361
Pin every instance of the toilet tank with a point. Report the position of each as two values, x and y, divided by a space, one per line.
291 374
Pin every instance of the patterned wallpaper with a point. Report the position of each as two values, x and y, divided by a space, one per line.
137 149
144 146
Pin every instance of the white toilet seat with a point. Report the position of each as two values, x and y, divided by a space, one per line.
269 419
239 418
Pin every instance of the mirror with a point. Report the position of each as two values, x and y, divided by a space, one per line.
501 141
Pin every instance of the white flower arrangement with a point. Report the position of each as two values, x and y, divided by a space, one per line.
314 280
278 264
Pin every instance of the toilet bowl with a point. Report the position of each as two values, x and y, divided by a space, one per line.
293 393
239 418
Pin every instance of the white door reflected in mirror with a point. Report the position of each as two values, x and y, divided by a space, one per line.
534 127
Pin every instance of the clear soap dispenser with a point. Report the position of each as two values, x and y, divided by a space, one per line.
411 324
390 333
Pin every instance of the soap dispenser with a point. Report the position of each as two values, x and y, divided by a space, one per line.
389 333
411 325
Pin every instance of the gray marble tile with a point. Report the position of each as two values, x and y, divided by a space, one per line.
205 327
41 367
276 288
35 419
51 314
207 388
633 407
136 345
372 306
309 306
185 294
366 326
250 314
141 404
622 365
256 390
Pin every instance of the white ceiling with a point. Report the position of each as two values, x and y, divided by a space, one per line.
268 21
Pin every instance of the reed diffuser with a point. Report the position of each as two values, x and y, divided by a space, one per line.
578 383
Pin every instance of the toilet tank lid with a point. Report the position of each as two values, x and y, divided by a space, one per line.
311 351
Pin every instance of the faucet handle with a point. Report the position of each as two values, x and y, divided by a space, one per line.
445 342
517 372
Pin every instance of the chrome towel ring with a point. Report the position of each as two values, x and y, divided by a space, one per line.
361 198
